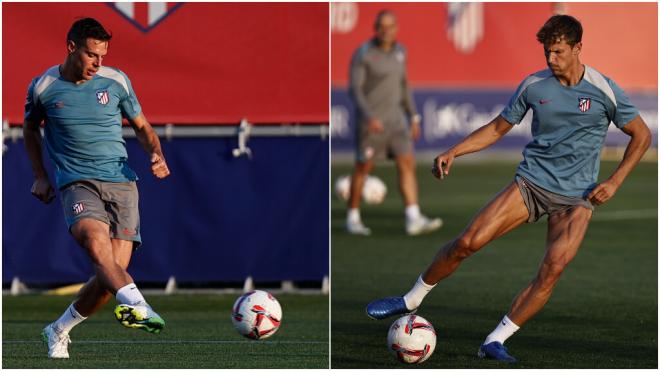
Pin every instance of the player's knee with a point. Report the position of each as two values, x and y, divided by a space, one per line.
95 243
466 245
406 163
122 263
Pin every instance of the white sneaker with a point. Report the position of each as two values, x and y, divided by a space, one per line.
422 224
58 343
356 227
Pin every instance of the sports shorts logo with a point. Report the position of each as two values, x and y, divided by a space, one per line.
102 97
128 232
584 104
78 208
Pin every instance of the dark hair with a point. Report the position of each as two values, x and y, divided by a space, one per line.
380 16
87 28
560 27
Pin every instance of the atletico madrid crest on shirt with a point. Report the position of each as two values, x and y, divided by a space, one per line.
584 104
102 97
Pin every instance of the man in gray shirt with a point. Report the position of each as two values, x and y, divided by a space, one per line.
384 104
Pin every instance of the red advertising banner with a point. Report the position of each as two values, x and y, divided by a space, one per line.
484 45
189 63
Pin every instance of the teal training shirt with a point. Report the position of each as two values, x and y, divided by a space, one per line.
83 133
569 126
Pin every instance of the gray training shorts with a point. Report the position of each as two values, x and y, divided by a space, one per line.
540 201
393 141
115 204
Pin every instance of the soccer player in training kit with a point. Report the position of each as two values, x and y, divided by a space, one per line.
379 88
82 104
572 105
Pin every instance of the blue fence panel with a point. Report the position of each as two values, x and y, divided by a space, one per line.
216 218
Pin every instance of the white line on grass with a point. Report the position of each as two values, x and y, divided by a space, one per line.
625 214
170 342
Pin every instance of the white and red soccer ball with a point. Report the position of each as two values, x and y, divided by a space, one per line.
411 339
343 187
256 315
373 191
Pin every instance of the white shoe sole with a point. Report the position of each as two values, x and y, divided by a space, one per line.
431 226
359 232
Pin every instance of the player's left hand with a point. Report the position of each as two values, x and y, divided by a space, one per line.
159 166
603 192
415 128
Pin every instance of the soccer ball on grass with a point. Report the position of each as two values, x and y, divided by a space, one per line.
256 315
411 339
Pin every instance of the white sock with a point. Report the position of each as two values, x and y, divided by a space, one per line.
130 294
412 212
354 215
69 319
415 296
503 331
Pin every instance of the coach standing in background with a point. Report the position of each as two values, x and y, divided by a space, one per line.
384 104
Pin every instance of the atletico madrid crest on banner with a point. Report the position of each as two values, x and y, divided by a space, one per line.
145 16
465 25
584 104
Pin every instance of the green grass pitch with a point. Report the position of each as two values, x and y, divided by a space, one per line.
198 334
604 310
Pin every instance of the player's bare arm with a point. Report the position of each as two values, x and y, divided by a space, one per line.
640 140
415 127
409 106
151 144
358 76
41 188
476 141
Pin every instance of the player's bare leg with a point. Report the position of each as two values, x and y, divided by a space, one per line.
354 223
360 173
93 296
504 212
133 310
565 234
416 222
94 236
405 165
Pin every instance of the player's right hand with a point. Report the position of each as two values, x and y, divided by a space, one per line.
42 190
374 126
159 166
442 163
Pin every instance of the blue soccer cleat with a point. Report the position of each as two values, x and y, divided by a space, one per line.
387 307
495 350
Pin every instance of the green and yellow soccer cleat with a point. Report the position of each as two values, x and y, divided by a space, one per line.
139 317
